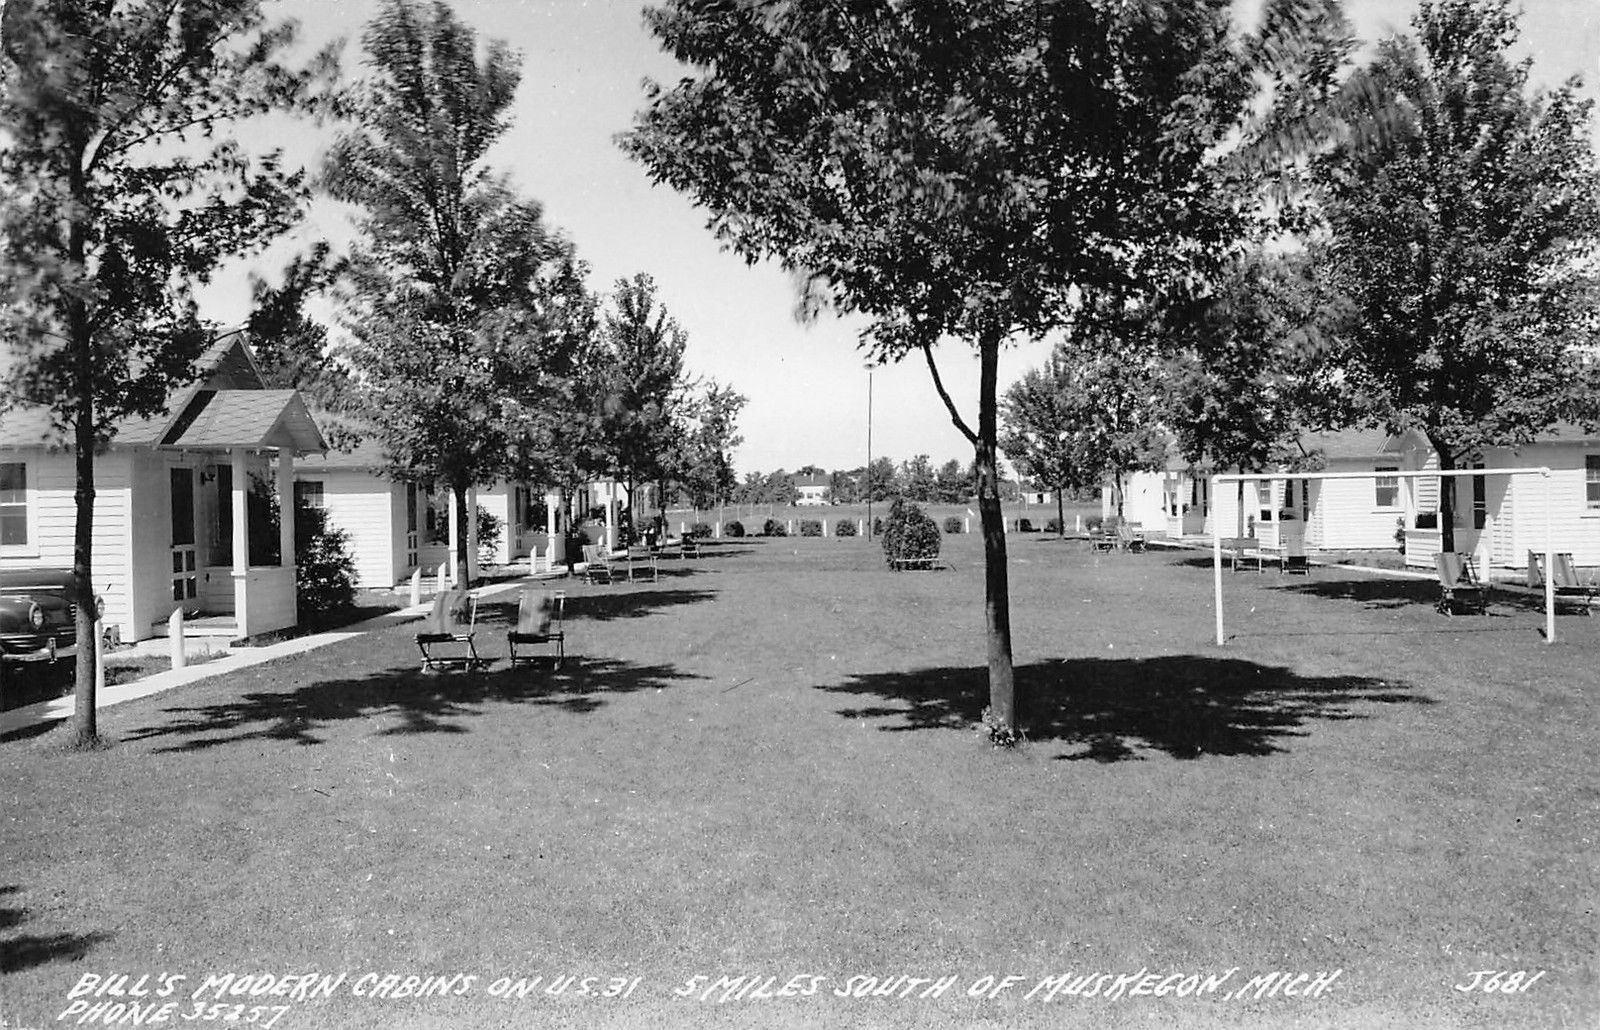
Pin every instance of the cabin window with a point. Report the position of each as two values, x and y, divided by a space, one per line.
1480 500
1386 492
1591 480
13 505
411 507
308 493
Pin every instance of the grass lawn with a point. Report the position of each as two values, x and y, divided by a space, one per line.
764 765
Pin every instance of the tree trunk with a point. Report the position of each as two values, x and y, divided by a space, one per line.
86 730
1447 505
996 601
1061 512
459 489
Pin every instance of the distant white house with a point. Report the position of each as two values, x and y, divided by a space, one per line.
813 489
172 505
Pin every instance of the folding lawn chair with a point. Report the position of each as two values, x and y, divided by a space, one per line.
1459 584
1568 586
539 621
452 621
691 546
1128 540
596 565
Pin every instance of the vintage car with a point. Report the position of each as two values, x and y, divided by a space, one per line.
37 617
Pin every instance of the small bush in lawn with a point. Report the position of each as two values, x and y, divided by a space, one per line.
1025 526
1094 525
910 533
700 530
877 527
772 527
844 527
733 528
810 527
953 524
325 571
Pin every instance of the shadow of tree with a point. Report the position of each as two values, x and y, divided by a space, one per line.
1185 705
29 950
644 599
1398 593
424 702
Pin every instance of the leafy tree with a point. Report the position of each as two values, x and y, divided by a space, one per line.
882 480
451 283
959 171
644 396
708 469
1039 421
121 187
843 486
954 484
1462 212
917 478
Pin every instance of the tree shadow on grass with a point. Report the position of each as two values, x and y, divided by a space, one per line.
422 702
1184 705
644 599
29 950
1400 593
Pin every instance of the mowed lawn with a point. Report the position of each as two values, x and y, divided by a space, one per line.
764 765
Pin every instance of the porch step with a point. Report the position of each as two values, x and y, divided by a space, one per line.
225 626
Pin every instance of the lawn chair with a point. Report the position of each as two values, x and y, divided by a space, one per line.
1235 548
691 546
1568 586
453 621
641 563
1459 585
539 621
596 565
1104 537
1128 540
1295 560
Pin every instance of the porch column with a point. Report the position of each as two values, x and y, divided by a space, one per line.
455 525
286 555
241 541
551 503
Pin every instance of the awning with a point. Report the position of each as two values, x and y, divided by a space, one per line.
224 419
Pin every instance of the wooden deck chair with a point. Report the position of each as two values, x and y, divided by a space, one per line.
453 621
1535 570
641 564
1568 586
1104 538
1295 561
1128 540
1458 584
691 546
539 621
596 566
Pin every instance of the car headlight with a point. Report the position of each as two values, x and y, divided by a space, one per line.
35 616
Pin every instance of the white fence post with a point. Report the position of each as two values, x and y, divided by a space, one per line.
444 572
416 588
175 639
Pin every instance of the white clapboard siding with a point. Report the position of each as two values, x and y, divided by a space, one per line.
363 506
1574 527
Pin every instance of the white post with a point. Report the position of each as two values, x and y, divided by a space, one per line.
472 534
1549 563
286 507
716 530
966 523
550 503
455 527
1216 568
861 527
241 542
416 588
175 638
1077 523
443 577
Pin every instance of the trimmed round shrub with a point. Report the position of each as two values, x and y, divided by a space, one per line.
953 524
701 530
909 533
1025 526
844 527
810 527
772 527
325 570
733 528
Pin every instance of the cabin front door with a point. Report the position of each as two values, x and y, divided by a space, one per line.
185 577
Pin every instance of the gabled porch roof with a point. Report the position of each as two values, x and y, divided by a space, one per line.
224 419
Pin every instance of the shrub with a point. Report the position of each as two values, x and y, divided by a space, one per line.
733 528
490 530
1025 526
844 527
810 527
1053 526
953 524
910 533
325 571
700 530
877 527
1094 525
772 527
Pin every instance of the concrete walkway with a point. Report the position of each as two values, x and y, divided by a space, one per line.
233 659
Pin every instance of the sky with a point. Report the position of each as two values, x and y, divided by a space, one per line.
584 62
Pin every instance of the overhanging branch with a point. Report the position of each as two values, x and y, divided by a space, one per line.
938 384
